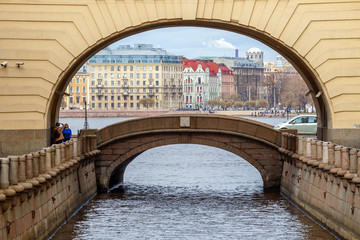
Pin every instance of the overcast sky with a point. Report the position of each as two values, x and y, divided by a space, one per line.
192 42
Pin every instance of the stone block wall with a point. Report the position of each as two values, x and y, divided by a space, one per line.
39 191
323 179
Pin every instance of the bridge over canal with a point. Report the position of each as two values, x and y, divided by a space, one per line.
55 38
256 142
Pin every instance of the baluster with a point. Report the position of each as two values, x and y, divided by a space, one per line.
42 162
62 152
67 151
337 159
36 164
308 147
57 155
331 153
319 152
22 167
4 176
353 161
14 169
325 152
313 149
29 166
345 162
75 148
300 145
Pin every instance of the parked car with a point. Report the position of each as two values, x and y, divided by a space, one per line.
305 124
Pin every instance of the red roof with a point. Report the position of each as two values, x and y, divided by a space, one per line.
213 67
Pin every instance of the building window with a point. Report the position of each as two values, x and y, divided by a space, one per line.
125 68
84 80
112 98
84 100
112 83
105 68
131 68
137 97
150 68
131 98
157 68
138 75
144 75
106 98
77 89
93 105
131 105
156 75
84 90
119 105
118 68
199 80
93 98
105 75
144 68
92 83
144 83
99 105
137 68
71 100
131 75
106 105
150 75
118 98
112 68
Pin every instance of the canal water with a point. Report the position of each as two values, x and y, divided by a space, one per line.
189 192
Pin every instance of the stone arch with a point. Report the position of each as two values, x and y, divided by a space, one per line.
255 142
54 39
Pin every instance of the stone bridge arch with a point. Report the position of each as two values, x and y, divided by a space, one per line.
256 142
55 37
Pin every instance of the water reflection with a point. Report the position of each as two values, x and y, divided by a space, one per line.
190 192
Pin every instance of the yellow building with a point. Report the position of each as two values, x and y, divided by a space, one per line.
77 92
120 78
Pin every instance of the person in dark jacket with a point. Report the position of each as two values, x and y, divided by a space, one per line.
66 132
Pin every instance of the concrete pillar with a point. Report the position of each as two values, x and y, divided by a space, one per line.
353 161
67 151
4 173
29 166
36 164
308 147
325 152
14 169
48 159
345 161
42 167
57 155
337 159
75 148
331 153
319 152
22 168
300 145
62 152
313 149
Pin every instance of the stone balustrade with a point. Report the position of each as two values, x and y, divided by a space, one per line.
338 160
28 172
324 179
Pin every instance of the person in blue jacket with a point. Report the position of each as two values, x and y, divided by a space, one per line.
66 132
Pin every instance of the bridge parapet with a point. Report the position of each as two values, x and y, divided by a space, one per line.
324 179
40 184
190 123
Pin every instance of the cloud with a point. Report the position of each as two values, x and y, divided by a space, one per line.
221 43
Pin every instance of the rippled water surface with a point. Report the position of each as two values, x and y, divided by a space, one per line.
190 192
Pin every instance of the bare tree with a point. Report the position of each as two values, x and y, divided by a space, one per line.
147 102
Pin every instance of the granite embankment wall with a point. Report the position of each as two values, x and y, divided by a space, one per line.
92 113
323 179
40 191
